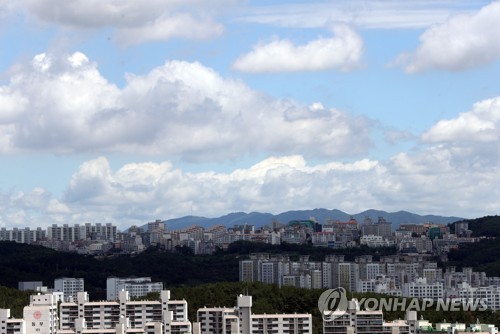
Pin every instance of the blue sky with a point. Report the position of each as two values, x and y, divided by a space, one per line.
127 111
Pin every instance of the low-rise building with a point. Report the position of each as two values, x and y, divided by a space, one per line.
136 286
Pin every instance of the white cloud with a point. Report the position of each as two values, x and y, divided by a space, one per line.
479 125
433 180
140 192
141 21
463 41
455 173
64 105
342 51
471 139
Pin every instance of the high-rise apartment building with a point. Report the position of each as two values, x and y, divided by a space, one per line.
354 320
69 286
72 233
39 317
240 320
83 316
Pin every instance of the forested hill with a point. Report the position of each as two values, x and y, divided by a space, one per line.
21 262
488 226
483 255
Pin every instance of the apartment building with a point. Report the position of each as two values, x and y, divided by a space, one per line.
217 320
85 316
421 289
72 233
224 320
40 316
136 286
355 320
375 241
24 235
490 295
345 274
69 286
281 323
381 228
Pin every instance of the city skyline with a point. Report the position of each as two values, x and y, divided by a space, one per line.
123 112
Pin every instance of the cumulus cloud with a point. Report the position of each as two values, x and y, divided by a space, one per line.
472 137
463 41
137 192
141 21
38 207
341 51
481 124
62 104
432 180
455 172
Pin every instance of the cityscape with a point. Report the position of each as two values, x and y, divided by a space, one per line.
413 271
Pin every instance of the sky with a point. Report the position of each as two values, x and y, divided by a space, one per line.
127 111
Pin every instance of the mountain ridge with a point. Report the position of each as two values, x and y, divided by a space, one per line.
260 219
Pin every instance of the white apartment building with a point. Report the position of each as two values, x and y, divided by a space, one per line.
9 324
346 275
240 320
39 317
281 323
136 286
24 235
355 320
216 320
375 241
489 294
83 316
72 233
421 289
70 287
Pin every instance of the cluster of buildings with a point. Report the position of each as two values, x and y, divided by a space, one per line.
86 238
396 275
45 315
354 320
102 238
67 289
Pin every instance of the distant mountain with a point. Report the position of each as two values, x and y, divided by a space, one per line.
322 215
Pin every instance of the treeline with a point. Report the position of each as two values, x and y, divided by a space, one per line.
21 262
315 253
483 255
14 299
488 226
